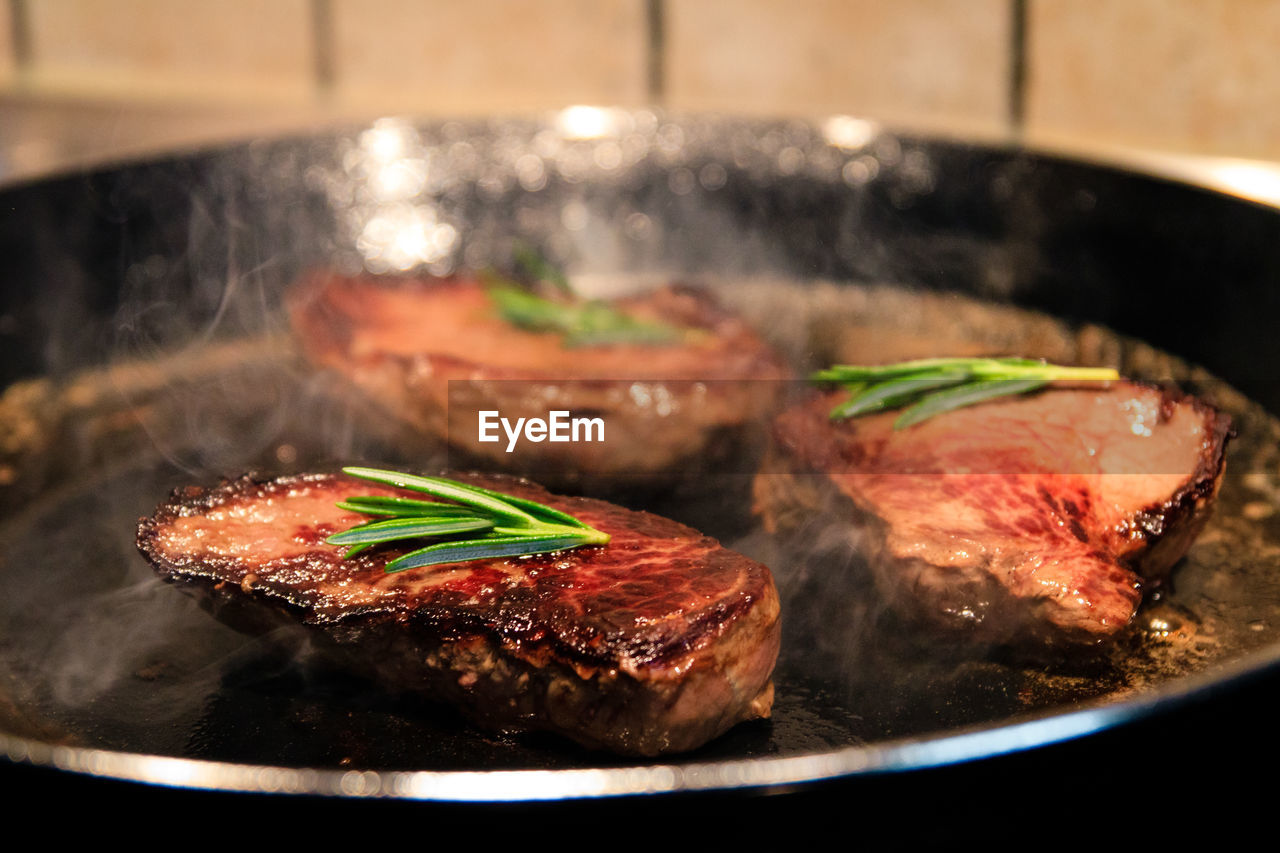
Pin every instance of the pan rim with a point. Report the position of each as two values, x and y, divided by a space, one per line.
744 775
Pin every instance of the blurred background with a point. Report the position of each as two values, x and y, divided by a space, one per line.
91 80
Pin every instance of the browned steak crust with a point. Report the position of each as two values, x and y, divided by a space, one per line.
432 353
1040 516
657 642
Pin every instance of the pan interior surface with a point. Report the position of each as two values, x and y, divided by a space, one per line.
185 373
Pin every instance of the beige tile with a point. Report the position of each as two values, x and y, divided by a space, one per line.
232 49
40 135
7 66
489 54
1183 75
930 62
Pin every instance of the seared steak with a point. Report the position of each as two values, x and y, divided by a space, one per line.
656 642
665 406
1039 516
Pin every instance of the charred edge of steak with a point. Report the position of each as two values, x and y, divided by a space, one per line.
1169 528
483 679
515 625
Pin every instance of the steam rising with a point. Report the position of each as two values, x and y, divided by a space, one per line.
619 199
91 634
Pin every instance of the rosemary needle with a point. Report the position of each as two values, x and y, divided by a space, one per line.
479 524
582 322
928 387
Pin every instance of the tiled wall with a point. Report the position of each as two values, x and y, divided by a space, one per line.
1178 75
152 48
941 62
488 54
1195 75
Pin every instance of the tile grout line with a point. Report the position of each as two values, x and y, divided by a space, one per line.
20 27
1017 67
322 35
655 20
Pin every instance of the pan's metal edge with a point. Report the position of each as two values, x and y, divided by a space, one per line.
1251 180
744 775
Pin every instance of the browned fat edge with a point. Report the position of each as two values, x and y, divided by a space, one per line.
1187 511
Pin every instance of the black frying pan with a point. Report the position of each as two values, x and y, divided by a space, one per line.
139 322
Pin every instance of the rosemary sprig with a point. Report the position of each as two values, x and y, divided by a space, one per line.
533 265
931 386
583 322
508 526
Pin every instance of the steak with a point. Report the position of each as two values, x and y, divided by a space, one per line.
433 353
654 643
1037 517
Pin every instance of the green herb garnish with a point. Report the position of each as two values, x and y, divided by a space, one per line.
931 386
583 322
479 524
534 266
